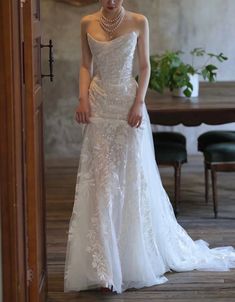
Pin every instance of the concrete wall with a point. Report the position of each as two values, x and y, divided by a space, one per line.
174 24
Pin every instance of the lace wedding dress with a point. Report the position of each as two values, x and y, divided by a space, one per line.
123 231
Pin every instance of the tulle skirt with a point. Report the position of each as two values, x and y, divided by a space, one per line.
123 231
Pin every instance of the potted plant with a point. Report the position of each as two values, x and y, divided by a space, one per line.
169 71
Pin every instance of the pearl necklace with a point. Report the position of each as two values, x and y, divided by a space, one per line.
110 25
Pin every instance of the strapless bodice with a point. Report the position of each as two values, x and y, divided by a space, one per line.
112 89
113 60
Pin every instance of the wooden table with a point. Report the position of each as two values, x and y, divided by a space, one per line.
215 105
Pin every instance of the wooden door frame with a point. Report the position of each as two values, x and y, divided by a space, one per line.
14 264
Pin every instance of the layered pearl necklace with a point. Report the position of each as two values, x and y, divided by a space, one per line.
110 25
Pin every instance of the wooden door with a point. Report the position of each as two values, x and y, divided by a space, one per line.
14 263
34 160
23 218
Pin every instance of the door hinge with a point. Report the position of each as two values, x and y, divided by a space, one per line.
29 275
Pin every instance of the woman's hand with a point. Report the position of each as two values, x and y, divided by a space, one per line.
135 114
83 112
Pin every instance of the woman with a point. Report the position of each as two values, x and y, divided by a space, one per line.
123 232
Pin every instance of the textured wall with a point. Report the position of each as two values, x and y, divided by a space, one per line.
174 24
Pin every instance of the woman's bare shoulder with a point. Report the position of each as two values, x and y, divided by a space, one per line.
138 21
139 18
89 18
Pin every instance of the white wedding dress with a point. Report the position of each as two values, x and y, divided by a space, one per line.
123 231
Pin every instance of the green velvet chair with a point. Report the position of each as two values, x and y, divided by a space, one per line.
209 138
170 150
215 136
219 157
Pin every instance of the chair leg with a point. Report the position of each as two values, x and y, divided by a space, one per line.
214 190
206 170
179 185
177 168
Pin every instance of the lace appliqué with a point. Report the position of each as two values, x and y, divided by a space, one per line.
147 219
104 157
96 249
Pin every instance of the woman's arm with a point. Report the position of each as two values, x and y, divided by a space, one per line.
143 58
85 73
136 111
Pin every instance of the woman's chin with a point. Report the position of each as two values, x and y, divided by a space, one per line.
112 9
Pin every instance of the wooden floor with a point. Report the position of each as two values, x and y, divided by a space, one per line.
195 216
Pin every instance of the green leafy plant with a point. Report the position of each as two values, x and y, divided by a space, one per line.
169 71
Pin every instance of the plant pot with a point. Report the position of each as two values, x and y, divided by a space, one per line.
194 80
